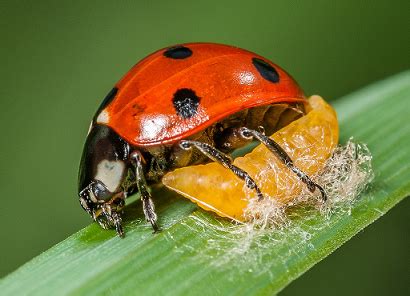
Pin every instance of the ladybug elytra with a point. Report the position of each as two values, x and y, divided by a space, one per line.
181 106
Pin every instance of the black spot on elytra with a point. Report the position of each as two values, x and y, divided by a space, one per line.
186 102
178 52
266 70
108 99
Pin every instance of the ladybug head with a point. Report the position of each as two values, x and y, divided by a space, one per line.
103 170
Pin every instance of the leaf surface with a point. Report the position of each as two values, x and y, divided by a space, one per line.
179 261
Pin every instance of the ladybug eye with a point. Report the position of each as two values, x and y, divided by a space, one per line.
100 191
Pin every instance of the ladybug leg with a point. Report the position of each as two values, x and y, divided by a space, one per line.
222 159
147 204
113 218
284 157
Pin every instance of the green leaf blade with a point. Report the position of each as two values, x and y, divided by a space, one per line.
94 261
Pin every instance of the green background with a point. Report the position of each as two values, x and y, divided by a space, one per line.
58 61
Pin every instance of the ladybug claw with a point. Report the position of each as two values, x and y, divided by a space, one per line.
312 187
119 229
154 226
116 218
322 192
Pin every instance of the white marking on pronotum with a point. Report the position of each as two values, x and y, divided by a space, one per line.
110 173
103 117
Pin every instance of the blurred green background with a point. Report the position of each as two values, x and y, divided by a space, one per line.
59 59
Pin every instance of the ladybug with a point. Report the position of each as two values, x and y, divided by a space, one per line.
180 106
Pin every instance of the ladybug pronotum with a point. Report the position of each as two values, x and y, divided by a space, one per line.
180 106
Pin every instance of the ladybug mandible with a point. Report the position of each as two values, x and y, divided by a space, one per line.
180 106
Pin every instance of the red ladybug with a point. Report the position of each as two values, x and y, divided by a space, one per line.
211 97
